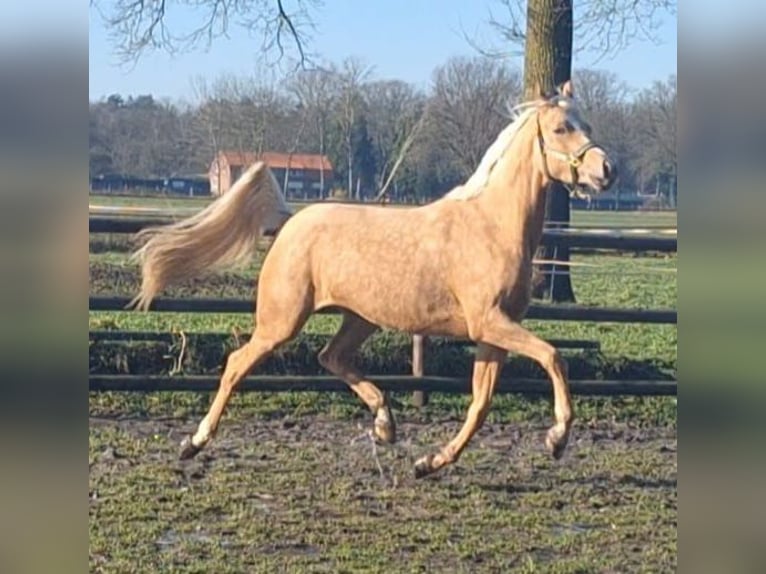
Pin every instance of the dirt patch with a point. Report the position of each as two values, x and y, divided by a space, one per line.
311 494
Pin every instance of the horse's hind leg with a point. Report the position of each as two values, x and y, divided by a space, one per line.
268 335
239 363
337 358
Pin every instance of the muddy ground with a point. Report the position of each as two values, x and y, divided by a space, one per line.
310 494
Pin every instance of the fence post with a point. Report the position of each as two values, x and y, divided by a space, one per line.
419 398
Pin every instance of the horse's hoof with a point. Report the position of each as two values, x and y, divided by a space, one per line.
556 443
384 426
386 433
424 466
188 449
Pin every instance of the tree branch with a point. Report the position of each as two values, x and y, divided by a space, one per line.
137 27
602 26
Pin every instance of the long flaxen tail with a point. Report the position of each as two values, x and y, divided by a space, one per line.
223 235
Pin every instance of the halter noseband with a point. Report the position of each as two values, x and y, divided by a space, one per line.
573 159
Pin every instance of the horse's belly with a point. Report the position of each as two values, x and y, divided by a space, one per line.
431 312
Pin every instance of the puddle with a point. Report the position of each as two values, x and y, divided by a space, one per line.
172 538
292 549
574 528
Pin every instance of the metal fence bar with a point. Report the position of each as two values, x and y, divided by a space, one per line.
389 383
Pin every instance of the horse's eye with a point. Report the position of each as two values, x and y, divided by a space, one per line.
560 130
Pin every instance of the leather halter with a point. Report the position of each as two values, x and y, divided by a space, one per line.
573 159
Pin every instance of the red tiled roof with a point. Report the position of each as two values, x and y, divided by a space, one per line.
279 160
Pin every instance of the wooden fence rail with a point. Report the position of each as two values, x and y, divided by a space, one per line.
573 238
548 312
165 337
602 239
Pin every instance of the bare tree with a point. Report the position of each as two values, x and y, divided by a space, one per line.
603 26
249 113
315 92
469 106
193 141
605 101
395 112
655 123
141 26
350 77
597 91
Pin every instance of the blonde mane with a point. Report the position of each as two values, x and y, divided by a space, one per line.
478 181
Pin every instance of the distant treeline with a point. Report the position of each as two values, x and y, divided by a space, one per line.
362 123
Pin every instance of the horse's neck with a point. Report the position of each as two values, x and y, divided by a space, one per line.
515 198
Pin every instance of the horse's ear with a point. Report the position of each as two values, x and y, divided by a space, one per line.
567 89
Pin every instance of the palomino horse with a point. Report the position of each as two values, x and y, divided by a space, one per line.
460 266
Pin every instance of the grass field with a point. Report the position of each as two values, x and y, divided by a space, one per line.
291 484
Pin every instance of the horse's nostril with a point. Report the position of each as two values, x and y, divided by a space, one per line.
607 170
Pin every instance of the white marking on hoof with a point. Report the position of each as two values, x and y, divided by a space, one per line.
425 466
385 429
188 449
203 434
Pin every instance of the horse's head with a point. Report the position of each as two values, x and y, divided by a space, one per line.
568 155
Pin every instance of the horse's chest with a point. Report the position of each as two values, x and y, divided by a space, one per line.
514 297
514 303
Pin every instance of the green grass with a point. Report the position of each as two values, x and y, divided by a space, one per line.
625 218
161 202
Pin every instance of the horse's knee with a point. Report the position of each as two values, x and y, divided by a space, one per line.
552 360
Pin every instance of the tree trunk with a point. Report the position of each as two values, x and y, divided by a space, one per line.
350 161
321 166
547 64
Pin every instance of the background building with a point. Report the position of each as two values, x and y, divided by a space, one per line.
304 176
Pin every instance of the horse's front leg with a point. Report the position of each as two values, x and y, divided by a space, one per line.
487 366
501 331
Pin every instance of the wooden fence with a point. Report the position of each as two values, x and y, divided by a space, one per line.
636 240
419 383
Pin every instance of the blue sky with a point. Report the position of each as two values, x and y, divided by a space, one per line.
403 39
